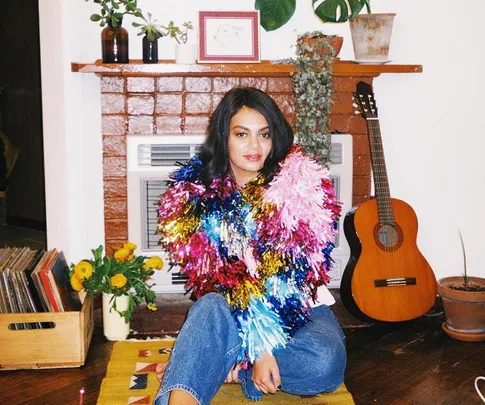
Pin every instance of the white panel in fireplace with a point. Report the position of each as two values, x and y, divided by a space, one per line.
150 160
341 164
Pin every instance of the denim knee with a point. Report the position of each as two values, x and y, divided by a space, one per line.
318 350
209 302
330 374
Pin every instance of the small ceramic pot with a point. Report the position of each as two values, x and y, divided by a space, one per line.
114 325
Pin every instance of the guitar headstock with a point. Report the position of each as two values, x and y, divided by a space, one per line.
364 97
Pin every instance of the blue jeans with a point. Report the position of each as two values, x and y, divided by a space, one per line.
208 344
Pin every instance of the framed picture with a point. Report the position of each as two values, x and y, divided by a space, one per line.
229 36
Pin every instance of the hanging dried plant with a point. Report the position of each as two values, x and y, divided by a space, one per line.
313 88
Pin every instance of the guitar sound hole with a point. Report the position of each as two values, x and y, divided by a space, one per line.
388 237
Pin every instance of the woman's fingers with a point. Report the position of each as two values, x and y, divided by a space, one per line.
266 373
261 387
268 385
160 370
233 376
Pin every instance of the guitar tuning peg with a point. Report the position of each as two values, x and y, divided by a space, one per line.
355 105
356 112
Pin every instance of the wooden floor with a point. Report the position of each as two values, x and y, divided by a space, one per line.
408 363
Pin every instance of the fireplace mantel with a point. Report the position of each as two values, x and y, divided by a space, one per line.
263 69
169 98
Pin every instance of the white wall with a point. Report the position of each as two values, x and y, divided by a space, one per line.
431 122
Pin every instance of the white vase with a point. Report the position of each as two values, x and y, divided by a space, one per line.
114 325
185 53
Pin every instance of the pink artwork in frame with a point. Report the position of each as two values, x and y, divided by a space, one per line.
229 36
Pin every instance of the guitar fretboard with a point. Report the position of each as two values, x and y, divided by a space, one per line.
381 182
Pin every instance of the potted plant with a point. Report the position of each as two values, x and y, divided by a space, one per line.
151 32
122 281
371 33
463 300
184 52
114 38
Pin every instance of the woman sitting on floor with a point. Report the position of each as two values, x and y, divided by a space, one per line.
252 223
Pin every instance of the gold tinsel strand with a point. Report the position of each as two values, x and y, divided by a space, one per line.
241 295
271 263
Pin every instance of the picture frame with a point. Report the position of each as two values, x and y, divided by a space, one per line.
229 36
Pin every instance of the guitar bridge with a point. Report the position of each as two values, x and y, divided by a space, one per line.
395 282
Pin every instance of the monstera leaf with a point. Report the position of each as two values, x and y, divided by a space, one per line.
275 13
339 10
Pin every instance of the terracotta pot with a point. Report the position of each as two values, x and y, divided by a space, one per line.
464 310
336 43
371 36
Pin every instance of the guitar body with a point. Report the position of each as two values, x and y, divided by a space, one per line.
387 278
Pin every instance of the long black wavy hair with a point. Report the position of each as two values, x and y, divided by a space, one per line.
214 152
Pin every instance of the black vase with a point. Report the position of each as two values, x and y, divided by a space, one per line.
150 50
114 44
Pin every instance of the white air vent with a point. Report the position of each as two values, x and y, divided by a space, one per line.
151 155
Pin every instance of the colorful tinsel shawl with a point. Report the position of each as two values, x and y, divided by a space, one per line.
266 248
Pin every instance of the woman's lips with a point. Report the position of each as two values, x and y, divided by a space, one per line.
253 158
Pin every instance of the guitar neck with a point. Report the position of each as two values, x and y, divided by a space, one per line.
381 182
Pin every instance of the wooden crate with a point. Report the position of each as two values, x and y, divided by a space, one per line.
64 345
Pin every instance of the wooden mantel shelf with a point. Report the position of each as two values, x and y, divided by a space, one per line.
265 68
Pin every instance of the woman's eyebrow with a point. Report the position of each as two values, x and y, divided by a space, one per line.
247 129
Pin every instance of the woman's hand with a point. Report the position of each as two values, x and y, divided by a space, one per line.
232 377
266 374
160 370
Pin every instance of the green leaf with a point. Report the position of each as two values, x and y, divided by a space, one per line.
95 17
275 13
355 7
338 10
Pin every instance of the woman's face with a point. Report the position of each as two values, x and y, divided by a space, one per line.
249 144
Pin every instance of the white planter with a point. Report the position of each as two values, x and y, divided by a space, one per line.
114 326
371 36
185 54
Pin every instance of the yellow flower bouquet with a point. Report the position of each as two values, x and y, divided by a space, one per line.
124 274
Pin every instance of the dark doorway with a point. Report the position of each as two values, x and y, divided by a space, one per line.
21 111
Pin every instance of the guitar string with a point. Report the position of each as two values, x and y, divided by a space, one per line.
384 203
385 197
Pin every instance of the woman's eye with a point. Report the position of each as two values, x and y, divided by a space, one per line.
266 135
241 134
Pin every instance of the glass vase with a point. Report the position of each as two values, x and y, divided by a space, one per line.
150 50
114 44
114 325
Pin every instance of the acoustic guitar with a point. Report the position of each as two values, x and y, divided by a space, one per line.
387 278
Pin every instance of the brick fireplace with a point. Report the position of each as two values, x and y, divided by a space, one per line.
165 98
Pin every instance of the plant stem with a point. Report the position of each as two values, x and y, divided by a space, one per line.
465 274
367 5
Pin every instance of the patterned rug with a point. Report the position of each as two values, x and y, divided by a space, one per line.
130 379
